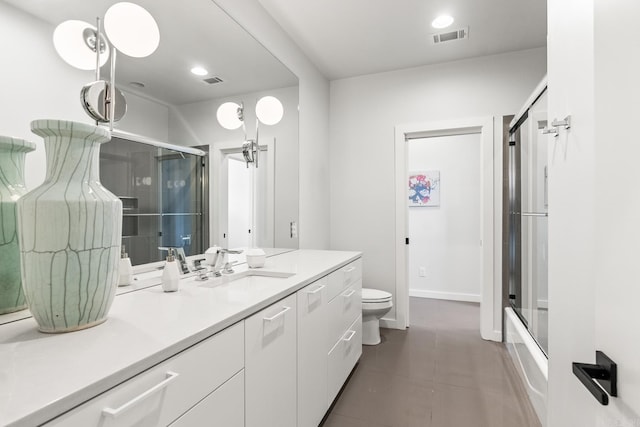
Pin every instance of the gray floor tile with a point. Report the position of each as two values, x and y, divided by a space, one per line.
386 399
438 373
335 420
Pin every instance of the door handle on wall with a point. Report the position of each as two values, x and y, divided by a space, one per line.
599 379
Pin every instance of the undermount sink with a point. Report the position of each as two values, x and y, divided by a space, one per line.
248 276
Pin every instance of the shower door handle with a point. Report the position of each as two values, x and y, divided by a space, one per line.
599 379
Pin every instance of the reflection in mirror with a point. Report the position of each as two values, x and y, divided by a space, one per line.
163 195
166 102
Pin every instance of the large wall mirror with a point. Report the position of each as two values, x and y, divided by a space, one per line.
165 191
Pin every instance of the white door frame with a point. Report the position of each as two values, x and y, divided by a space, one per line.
218 188
484 126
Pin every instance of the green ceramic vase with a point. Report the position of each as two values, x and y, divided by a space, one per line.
12 154
70 231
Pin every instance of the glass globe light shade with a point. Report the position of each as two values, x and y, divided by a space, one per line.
227 115
269 110
69 40
131 29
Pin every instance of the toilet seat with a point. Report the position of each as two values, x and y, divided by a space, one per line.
375 296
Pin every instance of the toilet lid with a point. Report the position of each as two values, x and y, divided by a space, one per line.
375 295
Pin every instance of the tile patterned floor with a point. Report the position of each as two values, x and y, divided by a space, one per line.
438 373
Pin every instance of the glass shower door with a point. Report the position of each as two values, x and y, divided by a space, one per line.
533 224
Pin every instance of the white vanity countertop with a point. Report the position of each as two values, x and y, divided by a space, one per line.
42 375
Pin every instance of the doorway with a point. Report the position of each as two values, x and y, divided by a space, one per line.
490 322
444 230
243 202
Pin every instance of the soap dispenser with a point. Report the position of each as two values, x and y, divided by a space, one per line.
171 273
125 269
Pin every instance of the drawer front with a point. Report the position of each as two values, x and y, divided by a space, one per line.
270 366
343 309
312 353
343 357
343 277
163 393
224 407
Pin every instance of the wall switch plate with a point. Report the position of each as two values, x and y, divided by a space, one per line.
422 272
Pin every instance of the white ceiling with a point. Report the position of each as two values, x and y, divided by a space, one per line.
354 37
192 32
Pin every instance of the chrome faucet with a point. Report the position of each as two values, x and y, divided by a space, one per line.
180 257
220 263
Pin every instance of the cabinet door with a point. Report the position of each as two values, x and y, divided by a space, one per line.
343 357
312 354
222 408
163 393
270 366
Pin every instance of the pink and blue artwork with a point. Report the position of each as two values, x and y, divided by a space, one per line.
424 188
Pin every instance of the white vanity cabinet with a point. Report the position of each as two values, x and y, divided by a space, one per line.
343 345
312 354
165 392
270 366
279 364
222 408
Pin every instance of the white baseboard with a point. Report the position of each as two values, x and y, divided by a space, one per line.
452 296
390 324
493 336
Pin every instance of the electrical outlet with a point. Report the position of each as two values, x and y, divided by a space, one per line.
422 272
294 230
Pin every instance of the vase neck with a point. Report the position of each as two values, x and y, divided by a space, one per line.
72 159
73 150
11 169
12 155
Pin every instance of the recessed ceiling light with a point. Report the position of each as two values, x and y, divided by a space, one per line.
442 21
199 71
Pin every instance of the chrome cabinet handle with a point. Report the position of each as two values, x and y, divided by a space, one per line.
349 294
349 269
315 291
115 413
279 314
351 335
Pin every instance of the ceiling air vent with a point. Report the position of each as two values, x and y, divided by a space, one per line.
460 34
212 80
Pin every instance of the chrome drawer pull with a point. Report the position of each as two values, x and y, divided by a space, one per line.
349 269
275 316
315 291
352 333
349 294
115 413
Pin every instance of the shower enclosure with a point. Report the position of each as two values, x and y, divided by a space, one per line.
527 217
164 197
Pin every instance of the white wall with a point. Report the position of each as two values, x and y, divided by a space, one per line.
364 112
445 239
145 117
314 118
594 232
36 83
196 124
571 230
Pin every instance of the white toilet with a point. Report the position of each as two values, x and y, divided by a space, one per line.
375 304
